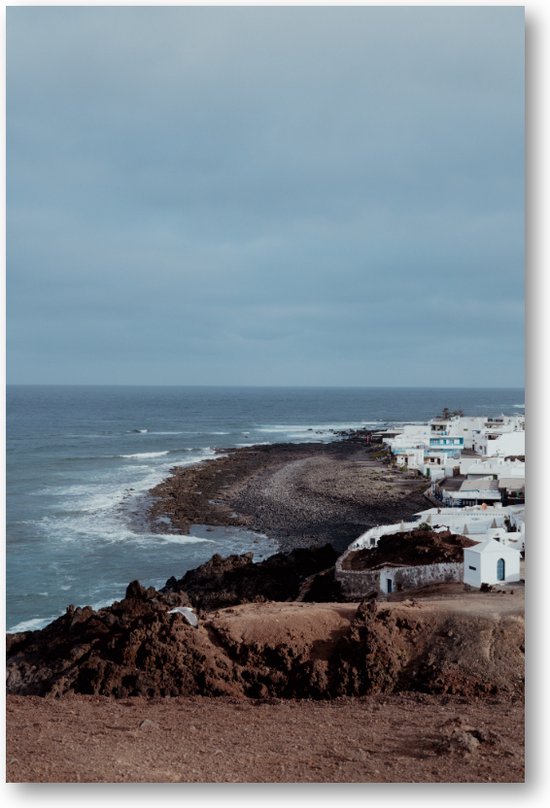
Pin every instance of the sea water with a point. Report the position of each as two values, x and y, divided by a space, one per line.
80 461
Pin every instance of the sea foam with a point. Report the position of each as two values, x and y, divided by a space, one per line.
141 455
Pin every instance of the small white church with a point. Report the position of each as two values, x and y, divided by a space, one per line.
491 562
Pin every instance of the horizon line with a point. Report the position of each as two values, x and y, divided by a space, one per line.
271 386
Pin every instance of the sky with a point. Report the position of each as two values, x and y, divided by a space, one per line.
270 196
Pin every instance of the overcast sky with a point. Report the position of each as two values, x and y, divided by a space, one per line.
265 195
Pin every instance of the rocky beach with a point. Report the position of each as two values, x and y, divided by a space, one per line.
275 650
302 495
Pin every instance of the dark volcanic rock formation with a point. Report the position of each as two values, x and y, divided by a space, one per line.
261 650
236 579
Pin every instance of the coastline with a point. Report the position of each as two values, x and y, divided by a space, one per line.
301 495
260 655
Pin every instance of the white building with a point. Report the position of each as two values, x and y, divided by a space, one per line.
491 563
370 537
480 523
514 539
474 492
505 445
470 427
496 467
477 519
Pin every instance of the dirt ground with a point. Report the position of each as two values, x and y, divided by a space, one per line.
412 739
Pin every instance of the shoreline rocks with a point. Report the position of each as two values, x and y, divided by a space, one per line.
301 495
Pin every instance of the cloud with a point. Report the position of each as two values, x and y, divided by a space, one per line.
233 186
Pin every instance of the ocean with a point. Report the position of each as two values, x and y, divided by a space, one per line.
80 461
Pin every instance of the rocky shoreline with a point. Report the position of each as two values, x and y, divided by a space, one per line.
301 495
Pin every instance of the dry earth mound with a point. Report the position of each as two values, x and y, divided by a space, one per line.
285 650
410 549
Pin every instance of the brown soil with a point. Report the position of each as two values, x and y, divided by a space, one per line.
408 738
410 549
300 494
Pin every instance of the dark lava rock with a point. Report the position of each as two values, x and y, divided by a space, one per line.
236 579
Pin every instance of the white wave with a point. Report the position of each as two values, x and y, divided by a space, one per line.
97 511
166 433
31 625
519 406
90 435
314 429
172 538
219 433
140 455
209 451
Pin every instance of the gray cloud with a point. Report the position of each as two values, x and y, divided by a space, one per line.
265 195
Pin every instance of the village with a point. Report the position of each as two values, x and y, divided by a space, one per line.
474 532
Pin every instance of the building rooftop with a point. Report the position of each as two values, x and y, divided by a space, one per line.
514 483
481 484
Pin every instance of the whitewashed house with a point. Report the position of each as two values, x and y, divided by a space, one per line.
491 563
470 427
487 440
412 458
510 538
496 467
473 522
506 445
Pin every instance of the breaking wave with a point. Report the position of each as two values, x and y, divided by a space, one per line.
141 455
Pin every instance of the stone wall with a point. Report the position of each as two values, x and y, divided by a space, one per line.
356 584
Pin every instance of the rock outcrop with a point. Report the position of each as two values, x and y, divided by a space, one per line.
262 650
236 579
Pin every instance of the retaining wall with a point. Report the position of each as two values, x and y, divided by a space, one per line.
356 584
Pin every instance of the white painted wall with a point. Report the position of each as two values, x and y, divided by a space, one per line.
498 466
480 566
370 537
477 519
468 427
510 443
